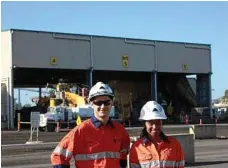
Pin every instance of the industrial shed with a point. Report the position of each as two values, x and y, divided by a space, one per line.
137 69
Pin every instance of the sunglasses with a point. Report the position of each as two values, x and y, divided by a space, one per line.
100 102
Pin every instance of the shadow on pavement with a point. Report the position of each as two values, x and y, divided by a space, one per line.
205 163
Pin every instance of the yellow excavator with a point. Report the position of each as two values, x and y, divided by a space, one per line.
67 104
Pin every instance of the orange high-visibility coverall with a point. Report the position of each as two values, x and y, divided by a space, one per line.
144 154
93 145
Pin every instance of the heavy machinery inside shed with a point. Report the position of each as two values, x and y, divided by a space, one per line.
132 89
85 59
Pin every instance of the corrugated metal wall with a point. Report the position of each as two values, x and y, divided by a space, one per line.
108 52
173 56
5 53
6 80
35 49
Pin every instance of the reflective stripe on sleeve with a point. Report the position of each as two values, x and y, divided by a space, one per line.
61 166
162 163
63 152
135 165
94 156
180 163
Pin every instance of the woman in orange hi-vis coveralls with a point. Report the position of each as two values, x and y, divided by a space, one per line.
97 142
154 149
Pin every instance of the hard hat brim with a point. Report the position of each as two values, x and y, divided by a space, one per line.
101 94
152 118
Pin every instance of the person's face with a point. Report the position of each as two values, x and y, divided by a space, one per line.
102 106
154 127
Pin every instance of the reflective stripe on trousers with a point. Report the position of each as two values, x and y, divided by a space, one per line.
155 163
63 152
94 156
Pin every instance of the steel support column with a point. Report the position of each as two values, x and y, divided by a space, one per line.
210 95
154 85
204 91
90 77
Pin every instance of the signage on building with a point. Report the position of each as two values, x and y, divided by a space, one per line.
53 61
184 67
125 61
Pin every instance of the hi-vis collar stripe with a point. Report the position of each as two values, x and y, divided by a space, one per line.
95 156
155 163
63 152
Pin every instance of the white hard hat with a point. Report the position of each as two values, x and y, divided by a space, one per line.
152 111
100 89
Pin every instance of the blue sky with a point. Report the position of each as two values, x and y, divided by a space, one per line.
198 22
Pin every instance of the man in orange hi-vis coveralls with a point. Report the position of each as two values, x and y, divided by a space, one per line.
154 149
97 142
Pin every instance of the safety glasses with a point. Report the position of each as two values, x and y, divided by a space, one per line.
100 102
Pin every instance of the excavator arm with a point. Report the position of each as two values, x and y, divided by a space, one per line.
74 99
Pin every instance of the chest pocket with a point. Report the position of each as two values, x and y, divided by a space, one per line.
145 157
92 145
93 142
116 141
168 154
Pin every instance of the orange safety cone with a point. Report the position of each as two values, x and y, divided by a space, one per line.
201 122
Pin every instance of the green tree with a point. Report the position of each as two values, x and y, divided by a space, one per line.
224 98
17 106
226 94
27 105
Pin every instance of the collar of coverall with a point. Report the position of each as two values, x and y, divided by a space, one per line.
97 123
146 140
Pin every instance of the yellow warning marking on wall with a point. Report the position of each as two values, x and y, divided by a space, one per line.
78 121
53 61
125 61
184 67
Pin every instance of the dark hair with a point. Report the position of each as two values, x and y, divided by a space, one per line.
144 134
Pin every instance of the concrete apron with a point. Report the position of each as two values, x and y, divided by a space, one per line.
186 141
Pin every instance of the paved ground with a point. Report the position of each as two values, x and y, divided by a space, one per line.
209 154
